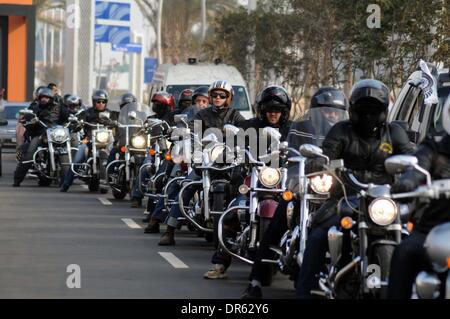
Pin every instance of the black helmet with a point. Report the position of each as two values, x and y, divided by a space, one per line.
127 98
73 102
100 95
46 92
369 103
185 98
65 97
329 97
201 91
274 97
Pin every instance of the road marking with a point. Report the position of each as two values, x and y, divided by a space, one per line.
105 201
131 223
85 186
174 261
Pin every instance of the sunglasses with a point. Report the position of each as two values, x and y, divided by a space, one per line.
223 96
101 102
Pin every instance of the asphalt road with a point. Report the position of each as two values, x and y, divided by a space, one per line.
43 231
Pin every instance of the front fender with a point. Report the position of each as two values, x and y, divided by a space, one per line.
267 208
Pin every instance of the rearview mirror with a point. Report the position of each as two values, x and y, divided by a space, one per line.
400 163
310 151
180 118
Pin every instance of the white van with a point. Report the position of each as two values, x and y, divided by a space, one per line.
176 78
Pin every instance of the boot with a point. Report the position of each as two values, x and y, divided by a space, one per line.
168 238
252 292
153 227
217 271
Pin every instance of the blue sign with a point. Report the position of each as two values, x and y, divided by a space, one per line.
129 48
150 66
117 35
112 11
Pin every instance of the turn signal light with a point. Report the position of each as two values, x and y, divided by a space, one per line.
347 223
152 152
410 227
448 262
168 157
123 149
288 196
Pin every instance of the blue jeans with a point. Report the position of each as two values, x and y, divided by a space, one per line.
80 157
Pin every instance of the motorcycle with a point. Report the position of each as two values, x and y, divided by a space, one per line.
135 141
434 284
264 188
361 248
213 190
52 162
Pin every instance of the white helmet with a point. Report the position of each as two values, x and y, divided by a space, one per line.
223 86
446 116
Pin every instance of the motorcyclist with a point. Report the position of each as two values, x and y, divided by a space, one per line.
100 103
410 257
221 95
185 100
127 98
273 110
56 97
50 113
327 107
200 99
163 105
364 143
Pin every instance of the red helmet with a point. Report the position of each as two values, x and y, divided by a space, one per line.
163 101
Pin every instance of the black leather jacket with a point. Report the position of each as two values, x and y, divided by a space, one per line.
435 158
54 114
92 116
212 117
365 157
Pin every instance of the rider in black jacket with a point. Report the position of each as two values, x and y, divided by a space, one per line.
48 112
328 106
410 257
364 143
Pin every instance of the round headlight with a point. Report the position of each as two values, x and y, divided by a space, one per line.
59 135
138 141
102 137
383 211
270 177
321 184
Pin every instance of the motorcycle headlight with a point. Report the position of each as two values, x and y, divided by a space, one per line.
383 211
59 135
270 177
321 184
138 141
102 137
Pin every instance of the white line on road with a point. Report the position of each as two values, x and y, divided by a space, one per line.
105 201
85 186
174 261
131 223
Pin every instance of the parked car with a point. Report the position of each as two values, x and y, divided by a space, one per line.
421 118
11 114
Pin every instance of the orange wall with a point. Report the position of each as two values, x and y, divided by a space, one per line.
16 1
17 54
17 59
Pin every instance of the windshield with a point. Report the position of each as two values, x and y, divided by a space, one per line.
139 113
436 127
240 101
314 126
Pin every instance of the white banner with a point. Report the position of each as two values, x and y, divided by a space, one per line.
428 85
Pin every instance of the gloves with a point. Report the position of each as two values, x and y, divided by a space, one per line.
404 186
